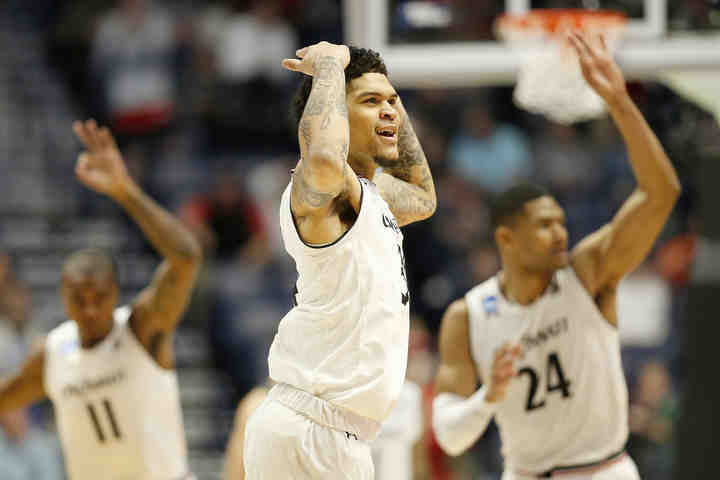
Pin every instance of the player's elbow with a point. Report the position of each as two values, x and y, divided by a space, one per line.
190 256
193 252
675 190
429 205
444 440
449 449
445 429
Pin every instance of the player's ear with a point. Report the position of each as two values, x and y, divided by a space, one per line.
503 236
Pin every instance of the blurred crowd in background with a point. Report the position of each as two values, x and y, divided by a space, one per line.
196 96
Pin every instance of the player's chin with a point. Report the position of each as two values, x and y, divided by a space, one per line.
561 259
389 153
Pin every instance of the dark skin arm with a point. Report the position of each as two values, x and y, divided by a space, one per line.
26 387
407 185
604 257
456 373
158 309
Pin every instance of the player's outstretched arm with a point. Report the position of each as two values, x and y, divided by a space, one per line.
158 308
407 186
323 132
460 412
605 256
26 387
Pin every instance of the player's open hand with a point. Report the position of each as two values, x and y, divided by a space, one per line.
101 166
598 67
309 56
503 370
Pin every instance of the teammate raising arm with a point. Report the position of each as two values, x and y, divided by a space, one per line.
542 334
109 371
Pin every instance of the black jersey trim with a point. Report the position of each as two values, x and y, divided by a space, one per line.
564 468
320 247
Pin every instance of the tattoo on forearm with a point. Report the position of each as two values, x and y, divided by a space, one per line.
409 202
328 93
410 150
305 130
410 153
411 193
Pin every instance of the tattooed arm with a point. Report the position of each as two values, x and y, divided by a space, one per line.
324 132
158 308
407 185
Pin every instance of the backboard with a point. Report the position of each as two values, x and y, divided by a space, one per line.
450 43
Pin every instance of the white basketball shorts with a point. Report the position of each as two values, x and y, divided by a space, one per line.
294 435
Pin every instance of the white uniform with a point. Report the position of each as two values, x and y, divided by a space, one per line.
393 450
569 404
118 412
340 354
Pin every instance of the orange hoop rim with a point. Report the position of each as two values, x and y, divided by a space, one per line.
552 19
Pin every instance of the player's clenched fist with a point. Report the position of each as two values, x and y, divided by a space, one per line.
314 57
503 370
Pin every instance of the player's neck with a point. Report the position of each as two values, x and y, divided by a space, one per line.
523 287
89 337
363 166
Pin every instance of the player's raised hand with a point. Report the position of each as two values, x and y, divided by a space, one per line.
598 66
308 57
101 166
503 370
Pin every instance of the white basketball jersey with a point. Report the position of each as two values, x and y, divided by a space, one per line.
568 405
117 411
392 451
346 340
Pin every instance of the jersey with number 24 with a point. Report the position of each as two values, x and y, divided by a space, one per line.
568 404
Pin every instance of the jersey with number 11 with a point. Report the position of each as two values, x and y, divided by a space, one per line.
118 412
568 403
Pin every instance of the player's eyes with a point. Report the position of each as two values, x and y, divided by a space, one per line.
371 100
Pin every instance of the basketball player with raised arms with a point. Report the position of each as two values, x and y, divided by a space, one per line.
109 371
542 335
339 355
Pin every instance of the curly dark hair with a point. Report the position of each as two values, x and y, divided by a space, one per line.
362 60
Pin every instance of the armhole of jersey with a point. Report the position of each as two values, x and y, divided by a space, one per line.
47 366
314 249
130 333
578 284
472 333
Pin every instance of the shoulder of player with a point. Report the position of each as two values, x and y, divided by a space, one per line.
483 298
454 327
64 332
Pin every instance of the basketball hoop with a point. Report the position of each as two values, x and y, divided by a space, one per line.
549 81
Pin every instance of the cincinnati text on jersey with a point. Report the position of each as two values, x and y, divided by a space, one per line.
90 384
530 341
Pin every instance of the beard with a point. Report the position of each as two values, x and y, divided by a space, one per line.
385 161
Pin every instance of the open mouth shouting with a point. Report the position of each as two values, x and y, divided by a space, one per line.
387 134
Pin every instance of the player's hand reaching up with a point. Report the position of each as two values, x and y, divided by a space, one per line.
598 67
308 56
101 166
503 370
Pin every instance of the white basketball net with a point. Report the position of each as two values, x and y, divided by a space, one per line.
550 81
